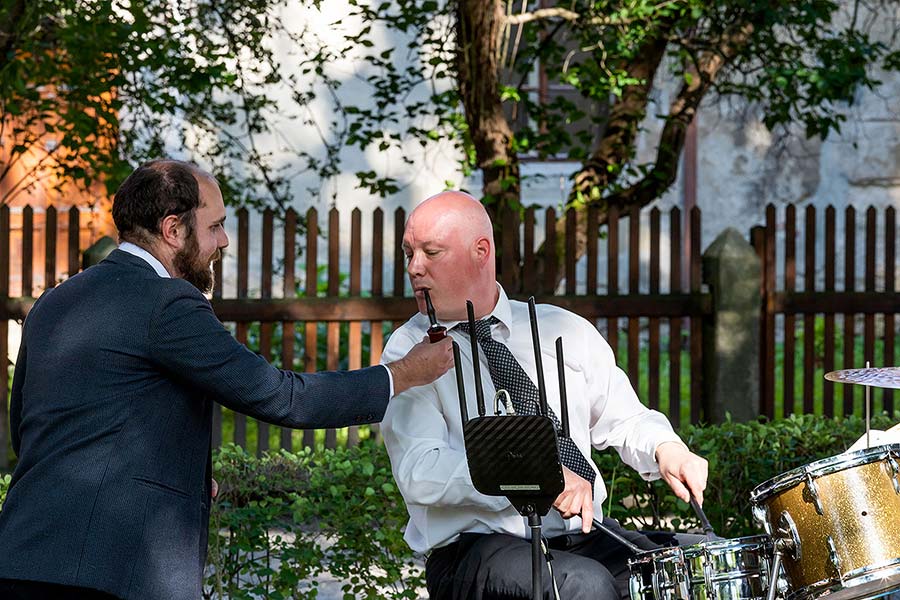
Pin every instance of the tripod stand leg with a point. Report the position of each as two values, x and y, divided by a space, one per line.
537 586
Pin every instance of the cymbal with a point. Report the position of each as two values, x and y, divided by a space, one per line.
885 377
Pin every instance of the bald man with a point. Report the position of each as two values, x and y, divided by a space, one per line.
477 544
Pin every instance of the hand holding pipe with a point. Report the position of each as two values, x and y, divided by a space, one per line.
436 332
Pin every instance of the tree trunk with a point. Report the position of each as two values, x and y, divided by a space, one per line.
479 26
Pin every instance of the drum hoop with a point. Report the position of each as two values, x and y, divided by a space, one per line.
852 579
651 555
820 468
735 543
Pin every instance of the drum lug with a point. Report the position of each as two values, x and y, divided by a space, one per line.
895 472
761 516
787 538
834 558
813 490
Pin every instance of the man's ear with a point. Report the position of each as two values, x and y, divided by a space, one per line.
171 230
482 250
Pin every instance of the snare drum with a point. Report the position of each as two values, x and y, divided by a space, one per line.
735 569
658 575
838 522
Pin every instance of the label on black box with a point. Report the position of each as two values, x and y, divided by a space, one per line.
520 488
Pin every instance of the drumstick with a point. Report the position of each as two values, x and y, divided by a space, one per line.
618 537
704 522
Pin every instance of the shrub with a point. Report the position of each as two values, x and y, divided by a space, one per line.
283 520
741 456
4 484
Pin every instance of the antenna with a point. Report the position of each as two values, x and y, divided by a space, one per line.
473 338
563 401
460 387
538 363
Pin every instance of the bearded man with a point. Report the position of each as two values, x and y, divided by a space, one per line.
477 545
111 406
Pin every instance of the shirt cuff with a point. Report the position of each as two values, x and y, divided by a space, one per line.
390 382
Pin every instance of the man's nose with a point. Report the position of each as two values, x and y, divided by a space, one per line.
415 266
222 242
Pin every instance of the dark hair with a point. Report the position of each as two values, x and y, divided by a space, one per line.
155 190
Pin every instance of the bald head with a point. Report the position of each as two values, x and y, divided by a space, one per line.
455 211
449 244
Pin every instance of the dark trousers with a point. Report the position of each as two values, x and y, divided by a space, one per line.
15 589
496 566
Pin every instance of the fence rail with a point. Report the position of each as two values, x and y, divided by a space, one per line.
634 281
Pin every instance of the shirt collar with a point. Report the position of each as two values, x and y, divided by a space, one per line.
502 311
136 250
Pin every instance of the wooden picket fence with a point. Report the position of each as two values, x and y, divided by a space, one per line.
367 313
639 281
810 308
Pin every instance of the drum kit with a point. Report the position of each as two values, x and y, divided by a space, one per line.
832 528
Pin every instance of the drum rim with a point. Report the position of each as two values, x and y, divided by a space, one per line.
821 467
643 556
855 578
739 542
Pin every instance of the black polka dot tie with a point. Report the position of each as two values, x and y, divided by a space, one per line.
507 374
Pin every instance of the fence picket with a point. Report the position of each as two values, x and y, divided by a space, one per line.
354 338
675 322
890 247
333 341
311 328
828 359
653 325
809 319
265 327
289 290
50 248
4 335
241 329
612 274
849 318
790 277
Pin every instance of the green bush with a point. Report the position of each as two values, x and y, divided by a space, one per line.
741 456
4 484
282 521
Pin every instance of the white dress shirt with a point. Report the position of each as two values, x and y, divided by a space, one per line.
424 438
136 250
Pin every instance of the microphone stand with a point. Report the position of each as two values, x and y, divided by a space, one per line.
516 456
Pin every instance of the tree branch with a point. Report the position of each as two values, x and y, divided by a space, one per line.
542 13
681 113
570 15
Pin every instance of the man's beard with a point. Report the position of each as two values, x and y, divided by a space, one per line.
192 268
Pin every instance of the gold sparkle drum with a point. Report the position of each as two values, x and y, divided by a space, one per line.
836 523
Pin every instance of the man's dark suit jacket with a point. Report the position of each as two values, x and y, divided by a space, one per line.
111 416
